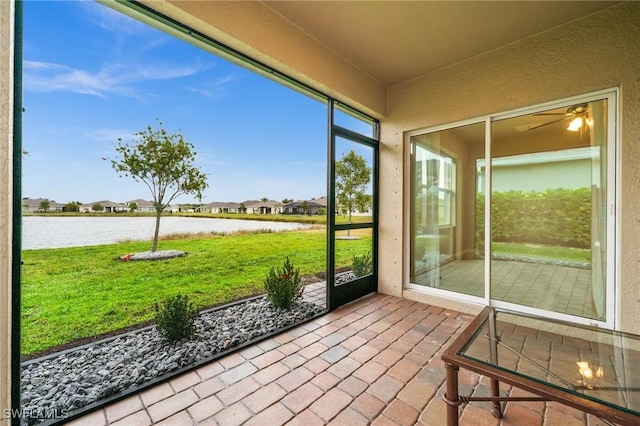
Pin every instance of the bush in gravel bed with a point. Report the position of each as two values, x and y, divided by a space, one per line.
175 318
283 286
362 265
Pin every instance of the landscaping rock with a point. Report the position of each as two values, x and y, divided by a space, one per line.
152 255
79 377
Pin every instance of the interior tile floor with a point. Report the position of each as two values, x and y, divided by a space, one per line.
374 361
557 288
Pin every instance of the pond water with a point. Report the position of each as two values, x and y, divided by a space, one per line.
40 232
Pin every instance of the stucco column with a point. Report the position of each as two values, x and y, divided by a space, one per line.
391 231
6 195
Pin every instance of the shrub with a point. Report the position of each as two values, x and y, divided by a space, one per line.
283 285
362 265
553 217
175 318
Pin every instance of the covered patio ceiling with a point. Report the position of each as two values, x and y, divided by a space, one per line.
395 41
354 51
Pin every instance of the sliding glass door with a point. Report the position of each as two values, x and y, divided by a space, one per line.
520 216
548 208
443 222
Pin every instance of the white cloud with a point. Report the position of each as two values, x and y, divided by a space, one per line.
113 79
217 88
223 81
110 19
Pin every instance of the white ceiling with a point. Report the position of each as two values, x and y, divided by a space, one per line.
394 41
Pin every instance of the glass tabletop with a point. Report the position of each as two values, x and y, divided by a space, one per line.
597 364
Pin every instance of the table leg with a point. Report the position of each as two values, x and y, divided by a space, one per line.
451 396
496 408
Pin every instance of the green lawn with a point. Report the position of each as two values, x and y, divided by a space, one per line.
550 252
79 292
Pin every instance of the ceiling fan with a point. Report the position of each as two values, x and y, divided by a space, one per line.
578 114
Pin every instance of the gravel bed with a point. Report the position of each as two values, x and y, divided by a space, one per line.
345 278
152 255
73 379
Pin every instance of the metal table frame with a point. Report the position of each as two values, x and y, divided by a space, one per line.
454 361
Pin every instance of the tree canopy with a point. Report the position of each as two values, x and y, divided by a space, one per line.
164 162
44 205
352 177
72 206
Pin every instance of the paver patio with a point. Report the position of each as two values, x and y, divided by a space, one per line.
374 361
557 288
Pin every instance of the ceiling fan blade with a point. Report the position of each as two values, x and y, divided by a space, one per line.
546 124
551 113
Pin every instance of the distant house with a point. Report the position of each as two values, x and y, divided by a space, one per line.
107 207
263 207
320 200
314 206
143 206
223 207
32 205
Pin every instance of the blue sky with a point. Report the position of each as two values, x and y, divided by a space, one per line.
92 75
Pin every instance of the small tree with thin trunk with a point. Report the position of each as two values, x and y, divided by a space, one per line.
352 177
164 162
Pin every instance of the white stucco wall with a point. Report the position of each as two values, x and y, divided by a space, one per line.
540 177
591 54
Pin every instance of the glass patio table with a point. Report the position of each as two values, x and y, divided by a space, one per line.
588 368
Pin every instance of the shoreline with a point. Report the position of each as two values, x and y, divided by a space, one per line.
64 231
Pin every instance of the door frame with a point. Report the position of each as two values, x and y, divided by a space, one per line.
612 293
348 292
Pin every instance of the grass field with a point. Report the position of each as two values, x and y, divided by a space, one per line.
79 292
550 252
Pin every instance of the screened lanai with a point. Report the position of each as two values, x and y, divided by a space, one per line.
418 69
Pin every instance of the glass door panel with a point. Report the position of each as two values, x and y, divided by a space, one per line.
443 220
354 255
353 182
351 217
548 210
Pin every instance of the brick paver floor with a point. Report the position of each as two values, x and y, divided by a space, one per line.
375 361
558 288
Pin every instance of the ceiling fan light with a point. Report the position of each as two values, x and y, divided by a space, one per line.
575 125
